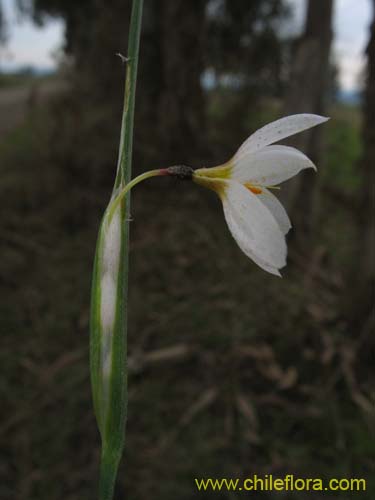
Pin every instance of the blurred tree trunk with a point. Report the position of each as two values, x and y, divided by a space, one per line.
170 104
180 106
2 26
307 94
365 262
108 38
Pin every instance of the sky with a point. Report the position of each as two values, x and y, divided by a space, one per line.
351 30
30 45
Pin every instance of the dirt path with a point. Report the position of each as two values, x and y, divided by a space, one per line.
15 101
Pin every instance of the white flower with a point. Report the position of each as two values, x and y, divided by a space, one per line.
256 219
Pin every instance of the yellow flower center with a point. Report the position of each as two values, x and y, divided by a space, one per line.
212 178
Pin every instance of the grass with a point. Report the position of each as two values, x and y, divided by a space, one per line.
344 148
233 372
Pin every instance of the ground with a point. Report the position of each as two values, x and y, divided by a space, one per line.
232 371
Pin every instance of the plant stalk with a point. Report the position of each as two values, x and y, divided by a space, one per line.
124 165
112 207
109 312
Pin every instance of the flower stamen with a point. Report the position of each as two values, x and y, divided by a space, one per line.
257 188
253 188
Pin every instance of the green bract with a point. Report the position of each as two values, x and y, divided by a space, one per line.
108 322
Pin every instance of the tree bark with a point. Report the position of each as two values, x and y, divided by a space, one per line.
3 36
170 101
365 260
180 105
307 94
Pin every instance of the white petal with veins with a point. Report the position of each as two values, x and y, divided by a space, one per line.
280 129
276 209
254 227
269 166
259 262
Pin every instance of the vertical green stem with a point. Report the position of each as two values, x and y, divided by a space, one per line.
108 343
126 139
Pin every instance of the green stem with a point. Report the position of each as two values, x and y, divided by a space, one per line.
123 175
113 429
121 195
108 472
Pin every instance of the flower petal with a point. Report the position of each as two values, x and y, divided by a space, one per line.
280 129
254 227
263 265
269 166
276 209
